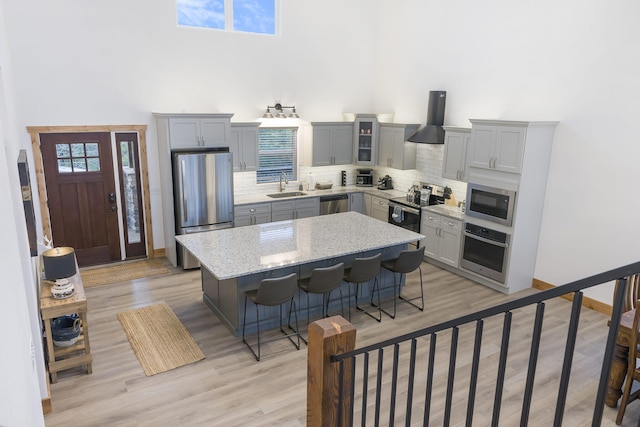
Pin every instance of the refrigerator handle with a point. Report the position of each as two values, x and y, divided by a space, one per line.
184 194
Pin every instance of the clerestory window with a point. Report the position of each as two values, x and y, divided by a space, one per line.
250 16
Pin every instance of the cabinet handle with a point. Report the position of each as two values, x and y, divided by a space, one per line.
252 210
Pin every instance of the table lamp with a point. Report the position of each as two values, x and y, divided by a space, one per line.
59 264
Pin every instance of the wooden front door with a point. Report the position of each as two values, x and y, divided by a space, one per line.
81 194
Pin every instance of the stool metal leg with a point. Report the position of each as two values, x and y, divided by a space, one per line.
421 297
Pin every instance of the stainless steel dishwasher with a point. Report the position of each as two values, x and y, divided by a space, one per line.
334 203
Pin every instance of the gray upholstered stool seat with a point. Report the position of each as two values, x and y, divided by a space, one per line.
408 261
273 292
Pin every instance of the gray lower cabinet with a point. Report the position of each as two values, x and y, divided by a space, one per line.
356 202
257 213
294 209
443 238
379 208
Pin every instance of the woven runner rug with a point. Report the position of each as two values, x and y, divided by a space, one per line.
123 272
159 339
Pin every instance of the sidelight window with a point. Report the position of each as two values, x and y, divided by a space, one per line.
277 154
249 16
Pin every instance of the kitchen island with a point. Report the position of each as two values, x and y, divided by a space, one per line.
235 260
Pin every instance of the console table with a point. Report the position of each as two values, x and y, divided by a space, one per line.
78 354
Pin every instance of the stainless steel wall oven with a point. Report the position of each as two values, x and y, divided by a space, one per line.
485 251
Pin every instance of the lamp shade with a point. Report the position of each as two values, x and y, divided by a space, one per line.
59 263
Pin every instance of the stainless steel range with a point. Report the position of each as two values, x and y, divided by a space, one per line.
406 211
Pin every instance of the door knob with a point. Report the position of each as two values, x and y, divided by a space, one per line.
113 208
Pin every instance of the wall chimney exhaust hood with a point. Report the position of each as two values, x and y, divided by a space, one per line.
432 132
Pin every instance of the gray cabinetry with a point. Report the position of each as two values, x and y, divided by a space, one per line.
257 213
243 143
200 131
456 141
394 151
332 143
443 238
365 130
497 146
379 208
295 208
356 202
184 131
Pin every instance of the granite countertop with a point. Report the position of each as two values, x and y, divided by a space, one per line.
262 198
451 211
241 251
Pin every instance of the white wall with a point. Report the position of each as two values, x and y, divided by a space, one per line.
21 357
571 61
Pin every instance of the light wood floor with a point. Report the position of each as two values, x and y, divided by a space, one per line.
229 388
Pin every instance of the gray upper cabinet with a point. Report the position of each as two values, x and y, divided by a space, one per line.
200 131
243 143
395 152
456 141
332 143
497 145
365 130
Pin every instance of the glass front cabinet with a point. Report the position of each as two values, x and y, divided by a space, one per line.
366 139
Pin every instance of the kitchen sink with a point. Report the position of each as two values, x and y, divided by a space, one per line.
287 194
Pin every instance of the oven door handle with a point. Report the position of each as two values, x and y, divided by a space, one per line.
404 208
489 241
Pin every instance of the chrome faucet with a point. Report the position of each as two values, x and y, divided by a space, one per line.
286 181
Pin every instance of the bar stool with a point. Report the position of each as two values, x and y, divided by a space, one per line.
323 281
272 292
409 260
363 270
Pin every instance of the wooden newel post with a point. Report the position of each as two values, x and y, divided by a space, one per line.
326 337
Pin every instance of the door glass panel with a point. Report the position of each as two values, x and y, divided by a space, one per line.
93 164
62 150
64 166
85 157
92 149
129 175
79 165
77 150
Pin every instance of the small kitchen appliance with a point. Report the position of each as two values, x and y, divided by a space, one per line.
406 212
490 203
364 178
385 183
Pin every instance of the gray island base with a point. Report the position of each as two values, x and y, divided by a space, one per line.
236 260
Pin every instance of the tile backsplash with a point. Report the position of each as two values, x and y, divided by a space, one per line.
429 159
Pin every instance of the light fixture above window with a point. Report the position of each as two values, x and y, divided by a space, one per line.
280 112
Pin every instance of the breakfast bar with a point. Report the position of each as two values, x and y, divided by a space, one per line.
236 260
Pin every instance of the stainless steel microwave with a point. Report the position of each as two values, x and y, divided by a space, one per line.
490 203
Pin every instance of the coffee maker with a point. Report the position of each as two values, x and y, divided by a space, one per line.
364 178
385 183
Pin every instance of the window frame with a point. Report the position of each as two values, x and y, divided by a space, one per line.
271 178
229 20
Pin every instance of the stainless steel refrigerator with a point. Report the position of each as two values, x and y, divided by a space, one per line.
203 194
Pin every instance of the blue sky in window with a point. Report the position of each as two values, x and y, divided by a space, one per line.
201 13
254 16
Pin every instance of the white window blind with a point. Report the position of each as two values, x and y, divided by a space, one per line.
277 153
